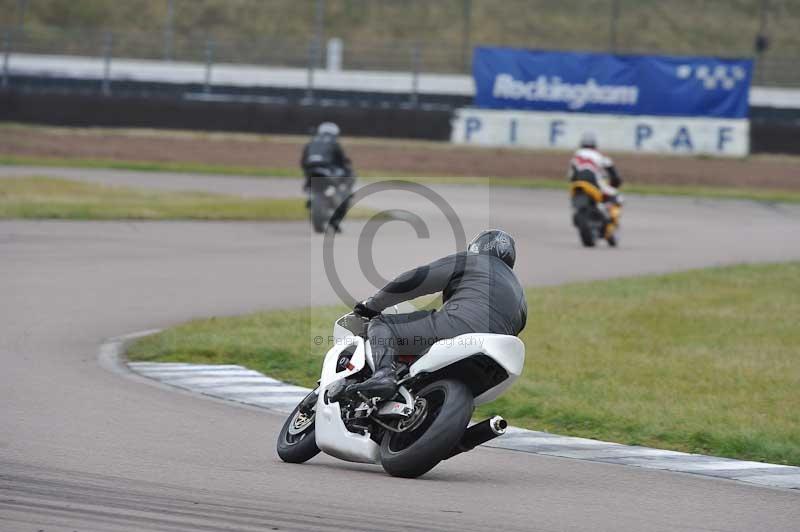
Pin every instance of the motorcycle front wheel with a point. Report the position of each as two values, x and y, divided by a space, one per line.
296 441
441 415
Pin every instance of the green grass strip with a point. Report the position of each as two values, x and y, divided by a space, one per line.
703 361
149 166
49 198
736 193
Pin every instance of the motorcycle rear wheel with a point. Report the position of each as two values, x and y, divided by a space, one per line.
320 214
296 441
448 407
582 220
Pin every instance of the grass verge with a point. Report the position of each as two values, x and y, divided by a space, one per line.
44 197
704 361
148 166
739 193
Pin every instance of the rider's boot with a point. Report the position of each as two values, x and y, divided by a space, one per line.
382 384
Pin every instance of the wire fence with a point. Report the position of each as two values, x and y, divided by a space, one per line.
417 36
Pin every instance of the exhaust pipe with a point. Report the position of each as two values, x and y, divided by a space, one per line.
479 433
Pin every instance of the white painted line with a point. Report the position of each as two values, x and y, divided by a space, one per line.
293 400
194 370
566 441
721 465
262 393
683 464
182 366
133 336
616 452
158 364
187 380
253 385
204 373
653 462
779 481
236 388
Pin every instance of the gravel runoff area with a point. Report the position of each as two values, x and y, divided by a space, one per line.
391 156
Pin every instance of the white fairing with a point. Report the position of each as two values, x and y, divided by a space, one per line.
507 351
342 336
332 436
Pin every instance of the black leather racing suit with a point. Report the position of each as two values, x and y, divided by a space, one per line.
324 151
480 294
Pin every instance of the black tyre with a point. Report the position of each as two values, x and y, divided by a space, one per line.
585 229
296 441
319 213
446 408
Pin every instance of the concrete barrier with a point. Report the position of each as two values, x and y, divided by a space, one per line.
645 134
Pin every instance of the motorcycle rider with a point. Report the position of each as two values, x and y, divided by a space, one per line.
324 152
589 165
480 294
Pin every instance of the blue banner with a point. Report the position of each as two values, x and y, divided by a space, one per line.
508 78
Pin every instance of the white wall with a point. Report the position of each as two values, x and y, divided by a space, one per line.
247 75
236 74
562 131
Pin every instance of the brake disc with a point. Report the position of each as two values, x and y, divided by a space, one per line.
300 423
416 418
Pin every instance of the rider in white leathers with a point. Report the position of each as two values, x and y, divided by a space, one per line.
592 166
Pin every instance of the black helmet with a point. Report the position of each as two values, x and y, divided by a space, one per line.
495 242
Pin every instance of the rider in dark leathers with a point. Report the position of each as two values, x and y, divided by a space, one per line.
323 152
480 294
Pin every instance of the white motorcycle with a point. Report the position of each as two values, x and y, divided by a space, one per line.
425 423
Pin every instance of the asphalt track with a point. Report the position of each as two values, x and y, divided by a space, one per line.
82 448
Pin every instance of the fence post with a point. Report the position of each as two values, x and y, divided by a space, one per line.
762 41
612 31
333 55
108 49
466 37
6 57
415 66
315 48
209 65
169 30
22 9
310 74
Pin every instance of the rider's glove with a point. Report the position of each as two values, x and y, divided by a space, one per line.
361 309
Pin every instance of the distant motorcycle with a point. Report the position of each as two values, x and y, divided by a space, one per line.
595 216
425 423
328 189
